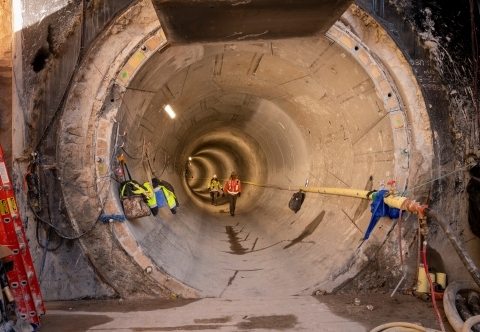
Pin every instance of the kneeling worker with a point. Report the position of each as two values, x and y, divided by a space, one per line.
233 188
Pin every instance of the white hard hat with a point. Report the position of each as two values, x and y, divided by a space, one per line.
215 176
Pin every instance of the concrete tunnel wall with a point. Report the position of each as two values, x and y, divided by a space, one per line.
278 113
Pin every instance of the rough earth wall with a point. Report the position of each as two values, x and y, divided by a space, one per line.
6 78
55 39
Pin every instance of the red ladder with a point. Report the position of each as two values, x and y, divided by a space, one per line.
22 279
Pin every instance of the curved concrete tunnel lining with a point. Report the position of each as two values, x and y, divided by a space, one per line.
263 131
165 240
195 273
224 151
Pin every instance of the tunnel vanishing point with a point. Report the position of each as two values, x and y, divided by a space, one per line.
286 93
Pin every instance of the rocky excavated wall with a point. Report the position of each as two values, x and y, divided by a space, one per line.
55 39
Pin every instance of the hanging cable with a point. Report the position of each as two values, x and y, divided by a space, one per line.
432 288
130 156
45 246
405 192
400 237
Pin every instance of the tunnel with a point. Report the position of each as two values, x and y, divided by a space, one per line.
335 110
382 96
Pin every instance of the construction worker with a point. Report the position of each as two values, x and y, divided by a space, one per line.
214 187
233 188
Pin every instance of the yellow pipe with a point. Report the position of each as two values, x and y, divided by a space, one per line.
399 202
338 191
395 201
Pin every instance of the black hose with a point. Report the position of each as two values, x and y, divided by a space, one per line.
462 253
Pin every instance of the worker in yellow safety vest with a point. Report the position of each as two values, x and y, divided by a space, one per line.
214 187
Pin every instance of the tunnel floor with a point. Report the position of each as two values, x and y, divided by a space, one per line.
307 313
260 251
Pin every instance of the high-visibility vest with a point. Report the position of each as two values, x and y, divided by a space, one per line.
170 197
137 189
151 199
214 185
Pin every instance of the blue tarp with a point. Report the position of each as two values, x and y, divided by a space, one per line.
379 209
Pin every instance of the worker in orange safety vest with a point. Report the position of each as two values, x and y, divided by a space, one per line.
233 188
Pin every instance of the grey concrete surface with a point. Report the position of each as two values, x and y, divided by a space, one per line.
287 314
279 313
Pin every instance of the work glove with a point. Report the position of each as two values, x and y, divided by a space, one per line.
239 194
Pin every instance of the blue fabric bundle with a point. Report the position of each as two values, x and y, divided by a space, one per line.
379 209
106 218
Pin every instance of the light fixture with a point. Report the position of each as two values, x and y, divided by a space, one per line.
169 110
189 158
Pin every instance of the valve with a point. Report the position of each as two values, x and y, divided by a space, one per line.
393 188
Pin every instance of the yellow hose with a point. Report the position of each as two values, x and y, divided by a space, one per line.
395 201
338 191
391 200
401 327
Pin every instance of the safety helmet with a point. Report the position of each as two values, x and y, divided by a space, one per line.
233 173
214 176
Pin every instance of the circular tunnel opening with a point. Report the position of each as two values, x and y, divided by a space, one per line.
283 114
278 114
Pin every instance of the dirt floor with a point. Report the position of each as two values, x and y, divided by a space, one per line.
386 309
371 311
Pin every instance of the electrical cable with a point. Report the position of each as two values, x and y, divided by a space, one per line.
432 288
129 155
37 235
58 231
400 237
44 256
164 166
148 162
405 192
402 266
